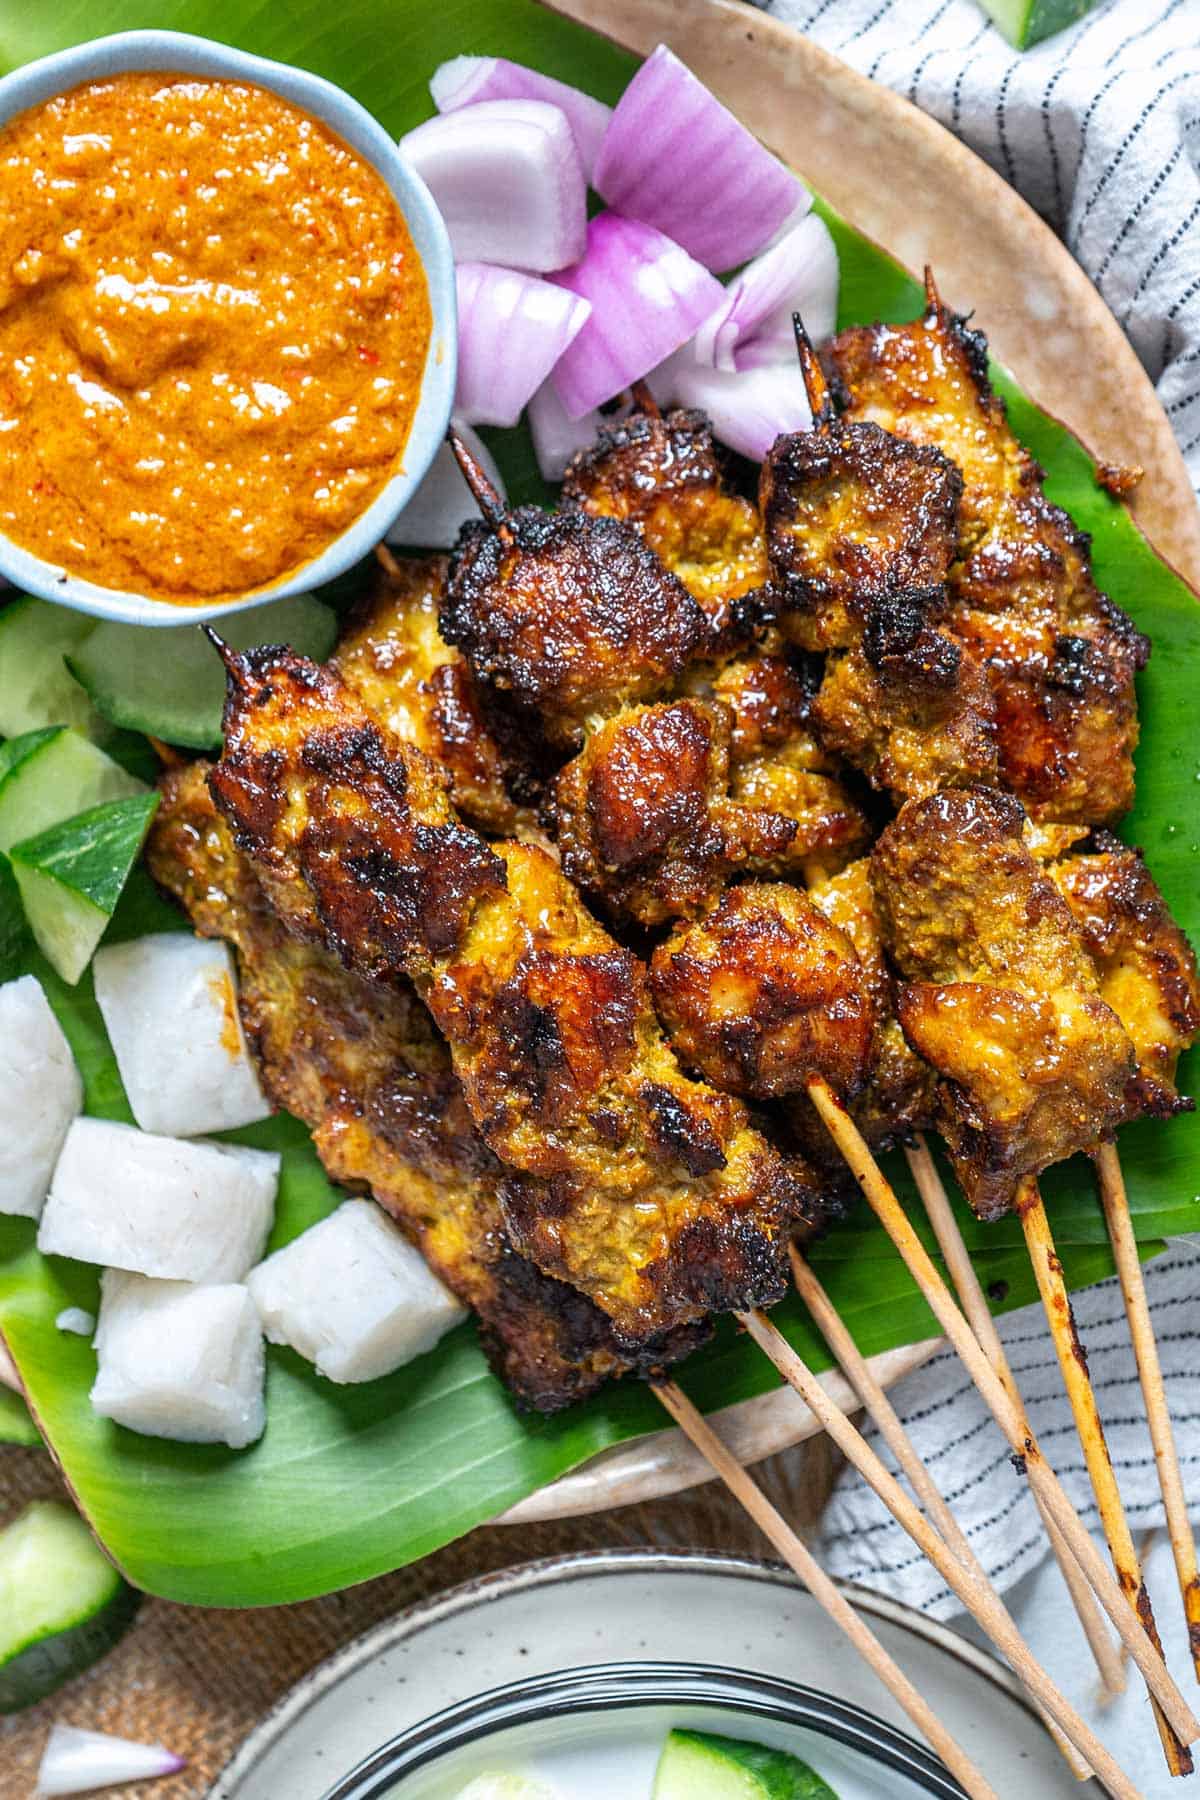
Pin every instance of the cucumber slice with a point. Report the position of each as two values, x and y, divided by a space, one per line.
62 1604
16 941
51 774
36 687
71 878
171 684
699 1765
1027 22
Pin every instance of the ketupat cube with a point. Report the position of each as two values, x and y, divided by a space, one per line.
40 1094
353 1296
169 1004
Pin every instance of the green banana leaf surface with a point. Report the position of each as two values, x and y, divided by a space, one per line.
350 1482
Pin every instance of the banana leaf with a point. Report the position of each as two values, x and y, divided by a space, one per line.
350 1482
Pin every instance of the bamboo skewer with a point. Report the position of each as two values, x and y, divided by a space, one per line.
1115 1202
1109 1662
1008 1415
823 1590
1047 1268
857 1371
971 1587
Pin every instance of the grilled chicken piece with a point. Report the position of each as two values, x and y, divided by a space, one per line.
351 828
861 532
362 1066
570 616
763 993
395 658
1060 656
661 474
999 993
1146 966
652 1194
654 815
897 1096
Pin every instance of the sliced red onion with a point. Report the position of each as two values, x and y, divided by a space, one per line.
674 157
507 180
467 80
749 408
75 1762
512 330
443 502
647 296
556 438
798 275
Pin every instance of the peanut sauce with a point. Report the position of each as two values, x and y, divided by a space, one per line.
213 326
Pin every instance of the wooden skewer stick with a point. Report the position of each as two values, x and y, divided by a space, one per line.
880 1410
973 1301
1072 1361
970 1584
1007 1414
824 1591
1141 1330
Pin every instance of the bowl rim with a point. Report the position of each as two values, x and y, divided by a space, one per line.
610 1687
185 53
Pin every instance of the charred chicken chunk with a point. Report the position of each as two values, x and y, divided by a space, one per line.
653 816
361 1064
1061 658
353 835
861 531
653 1195
999 994
763 993
569 615
661 474
395 658
1146 966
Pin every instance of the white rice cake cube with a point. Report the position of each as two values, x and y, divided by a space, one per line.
40 1094
179 1209
353 1296
170 1008
178 1361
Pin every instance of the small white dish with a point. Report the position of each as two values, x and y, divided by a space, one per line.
176 52
576 1612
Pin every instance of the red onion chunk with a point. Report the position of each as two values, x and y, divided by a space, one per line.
512 329
556 438
647 298
674 157
748 408
799 274
467 80
507 179
78 1762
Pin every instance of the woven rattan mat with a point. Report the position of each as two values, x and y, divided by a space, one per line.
199 1680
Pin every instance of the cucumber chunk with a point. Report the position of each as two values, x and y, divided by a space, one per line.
71 876
1027 22
36 687
62 1604
51 774
700 1765
171 684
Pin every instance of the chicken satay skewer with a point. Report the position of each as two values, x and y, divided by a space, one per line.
827 1594
1008 1415
1158 1417
973 1301
1004 496
884 1416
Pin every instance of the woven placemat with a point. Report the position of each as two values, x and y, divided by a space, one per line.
200 1680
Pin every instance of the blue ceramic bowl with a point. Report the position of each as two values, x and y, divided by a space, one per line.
174 52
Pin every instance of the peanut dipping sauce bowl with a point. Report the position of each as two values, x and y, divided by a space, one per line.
179 53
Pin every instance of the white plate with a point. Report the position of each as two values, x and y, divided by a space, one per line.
640 1606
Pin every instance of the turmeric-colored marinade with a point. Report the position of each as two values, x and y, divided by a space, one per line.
213 326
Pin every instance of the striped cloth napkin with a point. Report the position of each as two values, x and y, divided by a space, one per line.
1099 129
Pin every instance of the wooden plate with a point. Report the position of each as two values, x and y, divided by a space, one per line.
1045 322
